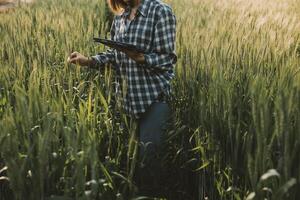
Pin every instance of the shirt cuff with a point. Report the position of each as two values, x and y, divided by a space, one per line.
148 60
98 61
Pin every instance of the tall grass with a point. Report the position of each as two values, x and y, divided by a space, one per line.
239 82
236 104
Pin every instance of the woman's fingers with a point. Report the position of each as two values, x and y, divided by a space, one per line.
70 60
73 57
136 56
74 54
78 58
73 60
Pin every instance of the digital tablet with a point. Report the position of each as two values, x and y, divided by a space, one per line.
115 44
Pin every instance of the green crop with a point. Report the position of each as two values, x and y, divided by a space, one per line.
236 104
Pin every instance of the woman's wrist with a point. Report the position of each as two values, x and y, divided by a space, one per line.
91 62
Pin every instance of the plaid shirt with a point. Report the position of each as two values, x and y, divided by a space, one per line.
153 29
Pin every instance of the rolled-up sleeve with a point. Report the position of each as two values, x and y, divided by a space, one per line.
163 56
109 55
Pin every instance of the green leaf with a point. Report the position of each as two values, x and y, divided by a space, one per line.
251 196
285 188
205 164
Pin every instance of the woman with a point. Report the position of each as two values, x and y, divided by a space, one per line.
149 25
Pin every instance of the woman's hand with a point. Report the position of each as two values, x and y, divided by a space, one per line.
77 58
134 55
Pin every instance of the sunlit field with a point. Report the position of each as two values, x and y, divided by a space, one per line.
236 104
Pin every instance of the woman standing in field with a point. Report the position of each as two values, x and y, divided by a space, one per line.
149 25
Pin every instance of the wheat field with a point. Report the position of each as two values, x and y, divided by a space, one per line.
236 104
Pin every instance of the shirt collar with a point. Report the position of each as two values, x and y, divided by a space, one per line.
143 8
126 11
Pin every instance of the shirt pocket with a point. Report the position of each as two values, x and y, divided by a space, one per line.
140 34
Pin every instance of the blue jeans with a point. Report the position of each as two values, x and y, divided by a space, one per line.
151 131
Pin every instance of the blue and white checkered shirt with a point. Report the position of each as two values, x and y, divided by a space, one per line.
153 29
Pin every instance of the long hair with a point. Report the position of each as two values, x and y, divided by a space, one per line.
117 6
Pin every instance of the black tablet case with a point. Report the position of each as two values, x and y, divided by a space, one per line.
123 45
